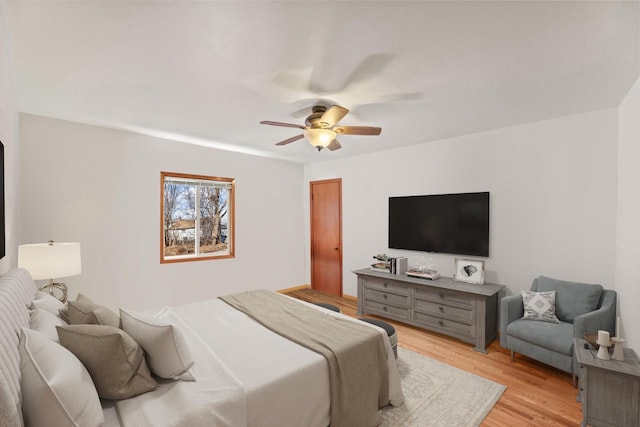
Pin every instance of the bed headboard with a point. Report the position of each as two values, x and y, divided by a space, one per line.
17 290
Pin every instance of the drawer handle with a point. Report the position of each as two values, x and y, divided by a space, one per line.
442 296
441 309
385 285
384 308
384 296
440 322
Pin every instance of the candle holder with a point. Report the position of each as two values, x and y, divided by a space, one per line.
604 342
603 351
618 350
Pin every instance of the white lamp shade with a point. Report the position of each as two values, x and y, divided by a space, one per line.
50 261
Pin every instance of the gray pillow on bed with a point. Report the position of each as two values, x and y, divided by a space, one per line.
64 310
114 360
84 311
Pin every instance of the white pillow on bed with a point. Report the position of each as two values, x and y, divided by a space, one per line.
47 302
57 390
167 351
45 322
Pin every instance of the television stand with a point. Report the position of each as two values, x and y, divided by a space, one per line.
457 309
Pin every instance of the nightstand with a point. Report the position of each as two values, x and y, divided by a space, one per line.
609 389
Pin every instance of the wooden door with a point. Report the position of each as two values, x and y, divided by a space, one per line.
326 236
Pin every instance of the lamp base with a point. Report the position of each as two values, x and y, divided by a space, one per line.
56 286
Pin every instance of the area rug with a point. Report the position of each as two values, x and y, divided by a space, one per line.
437 394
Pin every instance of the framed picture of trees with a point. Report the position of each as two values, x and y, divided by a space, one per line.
196 217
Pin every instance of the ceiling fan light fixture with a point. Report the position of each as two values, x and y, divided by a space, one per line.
319 138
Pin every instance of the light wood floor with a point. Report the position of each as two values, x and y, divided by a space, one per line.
536 395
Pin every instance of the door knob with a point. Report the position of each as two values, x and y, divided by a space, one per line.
336 249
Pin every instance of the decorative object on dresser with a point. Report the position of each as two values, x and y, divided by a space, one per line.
398 265
424 274
580 308
469 271
51 261
381 264
464 311
609 390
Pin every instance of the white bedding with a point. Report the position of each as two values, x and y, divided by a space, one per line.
216 398
245 374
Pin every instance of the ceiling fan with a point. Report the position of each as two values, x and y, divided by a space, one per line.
321 130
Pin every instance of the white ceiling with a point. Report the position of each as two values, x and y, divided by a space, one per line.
209 72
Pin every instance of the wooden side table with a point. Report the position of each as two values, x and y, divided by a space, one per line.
609 389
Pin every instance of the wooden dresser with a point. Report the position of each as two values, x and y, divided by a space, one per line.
461 310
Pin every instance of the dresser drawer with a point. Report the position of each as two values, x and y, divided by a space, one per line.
386 310
401 301
447 297
461 330
463 314
387 285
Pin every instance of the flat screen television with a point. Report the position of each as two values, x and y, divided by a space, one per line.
443 223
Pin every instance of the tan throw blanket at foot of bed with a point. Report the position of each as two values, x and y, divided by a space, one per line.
356 354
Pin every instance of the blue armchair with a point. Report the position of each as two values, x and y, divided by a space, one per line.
580 307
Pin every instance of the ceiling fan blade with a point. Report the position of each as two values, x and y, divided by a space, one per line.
286 125
357 130
290 140
335 145
369 68
333 115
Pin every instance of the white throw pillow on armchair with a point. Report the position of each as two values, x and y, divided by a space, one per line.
539 306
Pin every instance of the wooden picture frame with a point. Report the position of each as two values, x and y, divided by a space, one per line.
469 271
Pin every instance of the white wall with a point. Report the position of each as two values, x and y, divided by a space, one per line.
9 137
628 221
553 197
101 187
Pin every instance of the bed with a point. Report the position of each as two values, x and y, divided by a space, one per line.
245 373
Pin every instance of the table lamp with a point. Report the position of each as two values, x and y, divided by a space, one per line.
51 261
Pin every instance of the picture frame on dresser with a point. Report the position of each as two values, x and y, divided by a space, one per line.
469 271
